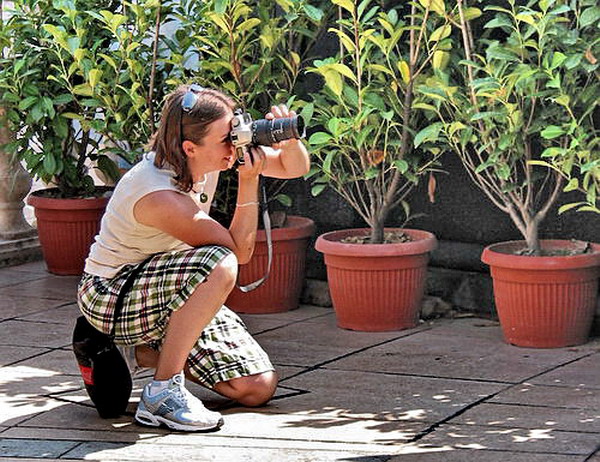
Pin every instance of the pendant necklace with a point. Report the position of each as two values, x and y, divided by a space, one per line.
199 189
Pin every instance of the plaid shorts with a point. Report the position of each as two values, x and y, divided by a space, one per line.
225 349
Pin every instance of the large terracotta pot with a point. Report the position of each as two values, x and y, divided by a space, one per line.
66 229
376 287
544 302
282 290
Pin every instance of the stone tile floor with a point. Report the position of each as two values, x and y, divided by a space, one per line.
448 390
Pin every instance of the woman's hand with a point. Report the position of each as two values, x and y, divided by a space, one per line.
279 112
254 163
289 158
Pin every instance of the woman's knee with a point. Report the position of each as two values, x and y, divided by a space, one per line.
252 391
225 272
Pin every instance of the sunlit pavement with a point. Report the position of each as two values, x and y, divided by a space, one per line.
450 390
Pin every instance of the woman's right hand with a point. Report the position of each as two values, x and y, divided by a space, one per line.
254 163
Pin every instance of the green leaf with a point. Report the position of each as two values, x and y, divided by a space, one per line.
401 165
427 107
334 81
589 16
440 59
557 59
327 162
486 115
441 33
434 5
499 21
553 152
551 132
471 13
429 133
348 5
317 189
95 75
319 138
63 99
284 200
570 206
26 103
313 13
49 163
108 167
572 185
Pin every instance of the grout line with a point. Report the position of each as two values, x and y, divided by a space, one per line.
435 426
291 323
594 452
360 350
518 427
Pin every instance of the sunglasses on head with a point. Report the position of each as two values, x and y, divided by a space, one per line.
188 102
189 99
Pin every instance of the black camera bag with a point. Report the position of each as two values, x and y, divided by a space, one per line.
104 371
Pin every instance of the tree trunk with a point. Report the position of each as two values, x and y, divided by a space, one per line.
532 238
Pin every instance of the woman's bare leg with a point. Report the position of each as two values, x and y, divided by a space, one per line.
187 323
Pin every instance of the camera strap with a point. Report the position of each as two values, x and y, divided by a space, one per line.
266 219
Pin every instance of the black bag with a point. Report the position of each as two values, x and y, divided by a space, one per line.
104 371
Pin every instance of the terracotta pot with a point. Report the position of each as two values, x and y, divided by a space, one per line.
376 287
66 229
544 302
281 291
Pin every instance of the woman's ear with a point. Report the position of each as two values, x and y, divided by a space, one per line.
189 148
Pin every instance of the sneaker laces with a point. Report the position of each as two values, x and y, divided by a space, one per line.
185 396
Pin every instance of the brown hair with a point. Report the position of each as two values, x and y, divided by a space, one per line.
210 105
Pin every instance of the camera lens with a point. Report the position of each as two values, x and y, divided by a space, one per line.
267 132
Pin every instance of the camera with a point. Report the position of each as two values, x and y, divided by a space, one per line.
263 132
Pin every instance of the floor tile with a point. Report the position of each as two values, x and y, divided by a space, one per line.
534 441
424 453
316 341
550 396
10 277
14 354
34 448
61 314
49 287
59 361
520 416
383 397
26 333
584 373
477 357
15 305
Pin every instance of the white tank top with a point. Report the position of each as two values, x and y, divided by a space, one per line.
122 240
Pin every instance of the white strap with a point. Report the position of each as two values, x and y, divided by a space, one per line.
267 224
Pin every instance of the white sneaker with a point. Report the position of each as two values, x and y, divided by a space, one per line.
176 408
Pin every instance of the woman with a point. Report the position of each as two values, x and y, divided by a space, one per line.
157 223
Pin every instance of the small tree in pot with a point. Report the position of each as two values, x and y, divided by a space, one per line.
255 51
71 80
374 145
523 94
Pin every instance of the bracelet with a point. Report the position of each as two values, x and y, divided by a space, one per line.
245 204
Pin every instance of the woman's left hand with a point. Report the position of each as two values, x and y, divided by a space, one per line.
254 163
279 112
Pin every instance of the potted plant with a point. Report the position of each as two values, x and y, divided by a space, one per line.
73 79
373 148
524 93
255 51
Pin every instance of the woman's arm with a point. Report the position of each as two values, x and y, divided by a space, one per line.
178 215
287 159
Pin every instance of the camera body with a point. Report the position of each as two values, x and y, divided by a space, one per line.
246 132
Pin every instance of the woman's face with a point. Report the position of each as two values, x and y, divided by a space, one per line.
216 151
